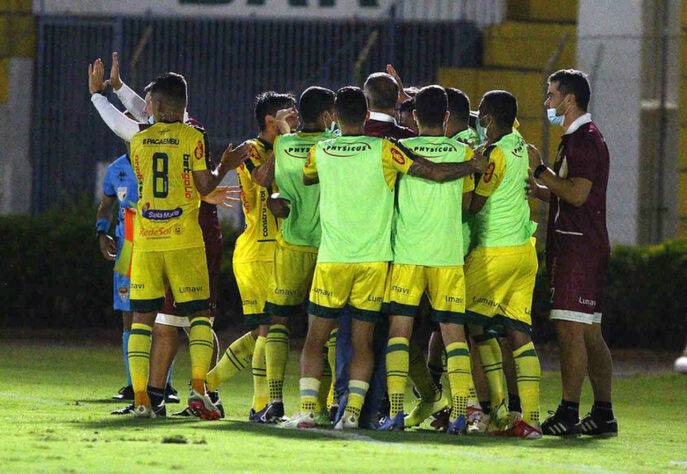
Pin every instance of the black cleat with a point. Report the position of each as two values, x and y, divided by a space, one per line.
185 412
333 410
214 398
272 413
595 426
171 395
557 425
160 410
125 393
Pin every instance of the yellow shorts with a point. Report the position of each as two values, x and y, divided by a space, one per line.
500 282
252 279
360 285
292 273
445 288
185 271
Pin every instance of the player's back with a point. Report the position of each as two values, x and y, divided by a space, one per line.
164 157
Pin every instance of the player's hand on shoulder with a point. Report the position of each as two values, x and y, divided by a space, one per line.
108 247
534 156
479 162
233 157
530 185
223 196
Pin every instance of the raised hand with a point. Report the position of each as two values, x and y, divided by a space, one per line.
115 81
283 119
233 157
223 196
402 96
96 72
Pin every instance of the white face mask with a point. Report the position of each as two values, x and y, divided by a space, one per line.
151 120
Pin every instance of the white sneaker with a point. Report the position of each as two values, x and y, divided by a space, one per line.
300 421
143 411
202 406
477 421
347 422
681 364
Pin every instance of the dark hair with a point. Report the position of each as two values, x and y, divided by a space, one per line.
458 104
350 105
407 106
170 88
411 91
501 105
431 104
314 101
269 103
572 81
381 90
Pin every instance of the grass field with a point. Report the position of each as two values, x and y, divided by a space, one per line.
54 413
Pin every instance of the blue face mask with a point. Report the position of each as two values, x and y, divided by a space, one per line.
332 128
151 120
552 114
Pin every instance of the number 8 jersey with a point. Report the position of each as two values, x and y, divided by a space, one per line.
164 157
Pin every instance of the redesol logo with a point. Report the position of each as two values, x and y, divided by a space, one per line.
398 157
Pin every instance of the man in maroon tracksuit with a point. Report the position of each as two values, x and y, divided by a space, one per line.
577 254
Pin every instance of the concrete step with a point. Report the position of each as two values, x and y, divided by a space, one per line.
543 10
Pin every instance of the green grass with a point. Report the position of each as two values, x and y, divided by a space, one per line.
54 413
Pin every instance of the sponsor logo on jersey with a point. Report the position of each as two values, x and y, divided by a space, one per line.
586 301
199 151
298 151
160 141
154 233
375 299
138 286
490 172
320 291
121 193
485 301
399 289
454 299
186 177
161 214
282 291
434 149
123 293
190 289
347 149
398 157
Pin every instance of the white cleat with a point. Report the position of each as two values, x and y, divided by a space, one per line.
143 411
681 364
477 421
347 422
202 406
300 421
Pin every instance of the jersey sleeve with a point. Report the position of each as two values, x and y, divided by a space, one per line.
200 147
108 182
469 180
581 159
395 159
496 170
310 167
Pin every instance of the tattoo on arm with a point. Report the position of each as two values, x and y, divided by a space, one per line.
439 172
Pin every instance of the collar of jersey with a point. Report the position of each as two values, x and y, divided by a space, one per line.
265 143
579 121
311 130
380 117
428 135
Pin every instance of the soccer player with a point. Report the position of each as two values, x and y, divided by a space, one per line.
405 115
355 247
119 186
500 271
169 160
254 255
458 126
428 256
577 254
297 241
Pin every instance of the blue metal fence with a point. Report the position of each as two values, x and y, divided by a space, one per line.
226 63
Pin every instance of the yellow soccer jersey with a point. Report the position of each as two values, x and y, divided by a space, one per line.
496 170
256 243
164 157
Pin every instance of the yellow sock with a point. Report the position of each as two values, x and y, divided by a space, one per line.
331 358
397 372
235 359
200 343
325 381
260 391
419 374
357 389
472 391
139 361
276 355
459 377
529 374
492 364
309 388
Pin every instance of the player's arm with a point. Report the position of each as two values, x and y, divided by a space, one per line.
490 179
132 101
206 181
108 246
574 190
120 124
468 186
424 168
310 176
278 206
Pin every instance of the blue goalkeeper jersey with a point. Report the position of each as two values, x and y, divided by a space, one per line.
120 181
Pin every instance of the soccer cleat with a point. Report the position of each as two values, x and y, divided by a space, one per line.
202 406
214 398
333 410
185 412
347 422
322 418
457 427
424 410
125 393
273 413
594 426
171 395
498 419
511 418
392 424
477 421
440 420
521 429
160 411
557 425
143 411
300 421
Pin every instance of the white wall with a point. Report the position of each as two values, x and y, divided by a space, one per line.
15 165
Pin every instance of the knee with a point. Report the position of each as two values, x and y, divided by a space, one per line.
568 332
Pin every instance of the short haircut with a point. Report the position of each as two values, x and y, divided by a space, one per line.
502 106
350 105
458 104
269 103
407 106
411 91
171 89
314 102
572 81
431 104
381 90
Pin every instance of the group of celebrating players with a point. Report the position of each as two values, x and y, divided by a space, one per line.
375 224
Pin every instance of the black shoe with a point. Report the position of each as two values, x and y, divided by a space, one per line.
125 393
185 412
273 413
557 425
160 410
171 395
333 410
214 398
595 426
